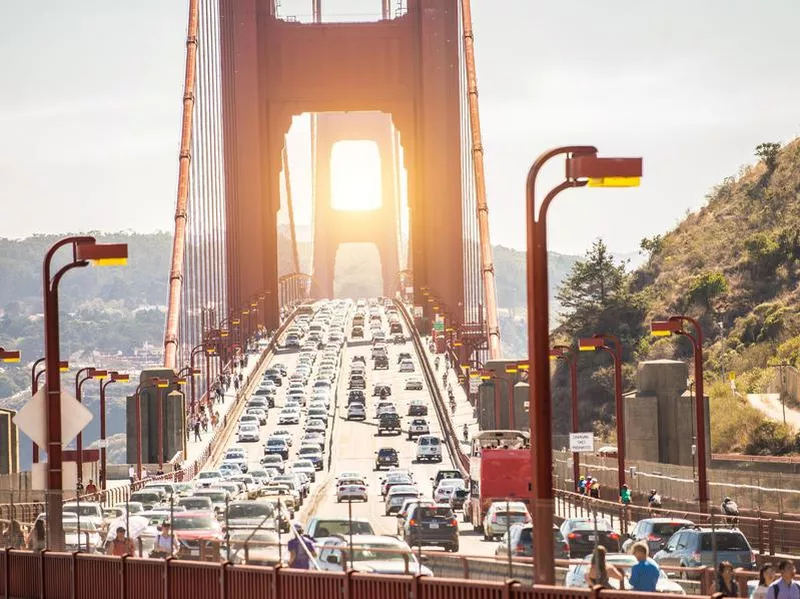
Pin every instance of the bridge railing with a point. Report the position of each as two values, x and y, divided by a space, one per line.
26 512
49 575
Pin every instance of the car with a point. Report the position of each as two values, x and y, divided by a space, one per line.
320 414
356 411
320 527
443 474
501 515
219 498
381 390
86 511
250 513
230 468
655 532
694 547
357 381
406 508
446 488
248 432
394 479
305 467
278 446
381 363
397 496
207 478
356 396
576 575
583 534
283 433
389 422
313 454
431 525
357 333
351 492
417 407
521 542
314 438
259 413
414 384
407 366
429 448
289 416
398 339
385 457
315 425
418 426
385 407
374 554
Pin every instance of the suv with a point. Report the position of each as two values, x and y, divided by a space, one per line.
417 407
522 542
694 547
419 426
655 532
357 333
381 389
429 448
381 363
431 525
389 422
356 396
386 457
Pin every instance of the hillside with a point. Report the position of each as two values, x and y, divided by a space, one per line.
733 265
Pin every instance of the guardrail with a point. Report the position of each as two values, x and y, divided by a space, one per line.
27 512
48 575
460 458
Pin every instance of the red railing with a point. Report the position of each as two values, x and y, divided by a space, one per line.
47 575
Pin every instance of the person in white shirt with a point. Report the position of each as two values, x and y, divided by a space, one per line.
166 542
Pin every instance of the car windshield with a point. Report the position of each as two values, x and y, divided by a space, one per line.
380 552
453 482
198 522
326 528
215 496
276 442
726 541
84 510
72 526
667 529
387 452
603 525
251 510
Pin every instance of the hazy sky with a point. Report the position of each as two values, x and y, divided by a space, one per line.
90 106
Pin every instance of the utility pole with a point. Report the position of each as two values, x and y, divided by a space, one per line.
721 326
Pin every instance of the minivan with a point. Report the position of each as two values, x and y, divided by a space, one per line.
429 448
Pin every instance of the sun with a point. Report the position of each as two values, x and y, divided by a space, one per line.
356 175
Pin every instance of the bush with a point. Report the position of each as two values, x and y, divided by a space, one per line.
732 419
703 289
770 438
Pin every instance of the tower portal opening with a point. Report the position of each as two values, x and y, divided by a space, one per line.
356 180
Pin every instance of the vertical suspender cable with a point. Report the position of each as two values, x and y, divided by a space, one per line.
489 286
179 239
287 176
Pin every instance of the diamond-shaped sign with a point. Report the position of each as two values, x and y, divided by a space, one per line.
31 418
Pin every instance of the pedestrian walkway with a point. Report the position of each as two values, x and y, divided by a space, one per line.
465 412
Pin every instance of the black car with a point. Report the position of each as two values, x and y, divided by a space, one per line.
381 363
458 498
356 396
274 375
382 390
583 533
403 355
280 367
389 422
522 542
431 525
386 457
417 408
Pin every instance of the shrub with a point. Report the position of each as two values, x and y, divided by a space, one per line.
704 288
770 438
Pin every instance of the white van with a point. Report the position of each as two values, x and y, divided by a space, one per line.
429 448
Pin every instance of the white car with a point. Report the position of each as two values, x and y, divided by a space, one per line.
385 407
576 575
349 475
418 426
351 492
375 554
228 469
248 432
414 384
406 366
289 416
284 434
429 448
356 411
446 488
207 478
259 413
496 521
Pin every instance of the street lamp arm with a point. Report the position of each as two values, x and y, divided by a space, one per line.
698 338
548 199
34 374
543 158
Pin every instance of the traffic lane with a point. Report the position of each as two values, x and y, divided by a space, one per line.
355 442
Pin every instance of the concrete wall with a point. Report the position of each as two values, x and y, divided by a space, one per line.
9 443
641 427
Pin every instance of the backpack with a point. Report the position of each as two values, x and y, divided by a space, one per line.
776 589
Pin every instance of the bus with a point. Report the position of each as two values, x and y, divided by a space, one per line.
500 468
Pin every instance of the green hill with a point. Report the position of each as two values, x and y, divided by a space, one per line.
733 265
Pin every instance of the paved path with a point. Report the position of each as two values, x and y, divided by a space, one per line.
770 405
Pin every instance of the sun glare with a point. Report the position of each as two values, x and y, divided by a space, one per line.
356 175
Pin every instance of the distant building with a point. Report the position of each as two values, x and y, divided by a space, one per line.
9 443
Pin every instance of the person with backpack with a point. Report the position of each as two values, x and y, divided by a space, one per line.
785 587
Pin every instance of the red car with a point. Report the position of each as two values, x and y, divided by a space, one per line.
194 529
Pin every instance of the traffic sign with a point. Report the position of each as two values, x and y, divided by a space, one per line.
31 418
581 442
418 312
474 385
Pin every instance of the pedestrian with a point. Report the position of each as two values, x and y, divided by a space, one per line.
91 488
144 472
600 570
766 576
37 538
726 585
196 428
132 473
594 490
301 549
625 495
13 537
582 485
785 587
122 545
645 573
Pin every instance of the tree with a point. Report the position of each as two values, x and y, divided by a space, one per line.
706 287
592 282
768 152
651 246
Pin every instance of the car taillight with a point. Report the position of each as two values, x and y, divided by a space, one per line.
519 550
613 535
652 537
412 522
696 556
454 522
572 535
752 556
